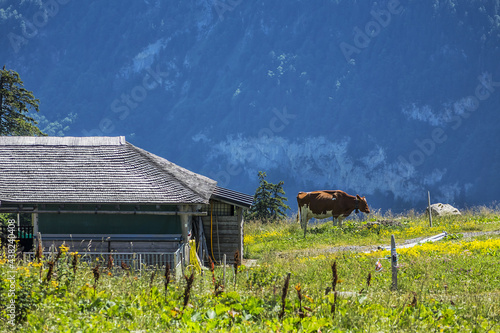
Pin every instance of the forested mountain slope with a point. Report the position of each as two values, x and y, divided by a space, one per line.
387 99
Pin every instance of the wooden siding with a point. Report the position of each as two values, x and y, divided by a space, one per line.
225 234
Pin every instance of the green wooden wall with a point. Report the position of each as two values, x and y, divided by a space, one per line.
108 224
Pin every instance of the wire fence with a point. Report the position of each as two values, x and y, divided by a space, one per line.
133 260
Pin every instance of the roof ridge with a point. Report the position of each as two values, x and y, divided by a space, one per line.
176 172
93 141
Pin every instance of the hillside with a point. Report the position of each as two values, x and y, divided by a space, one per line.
387 99
296 284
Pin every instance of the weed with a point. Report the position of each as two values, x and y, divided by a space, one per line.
283 296
49 272
167 276
187 290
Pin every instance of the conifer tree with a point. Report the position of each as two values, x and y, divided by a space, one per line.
15 104
269 201
278 207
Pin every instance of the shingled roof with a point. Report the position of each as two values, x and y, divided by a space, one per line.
232 197
93 170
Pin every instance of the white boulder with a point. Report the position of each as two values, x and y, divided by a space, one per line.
440 209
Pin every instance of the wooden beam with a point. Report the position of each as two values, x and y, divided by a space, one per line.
239 214
429 208
394 264
117 212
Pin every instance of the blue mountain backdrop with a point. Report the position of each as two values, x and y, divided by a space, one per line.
388 99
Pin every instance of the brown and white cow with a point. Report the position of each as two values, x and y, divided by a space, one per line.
323 204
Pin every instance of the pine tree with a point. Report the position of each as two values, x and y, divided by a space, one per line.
278 207
269 201
15 104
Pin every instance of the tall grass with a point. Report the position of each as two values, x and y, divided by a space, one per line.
452 285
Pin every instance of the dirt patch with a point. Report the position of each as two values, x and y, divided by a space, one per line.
384 223
249 262
369 248
480 233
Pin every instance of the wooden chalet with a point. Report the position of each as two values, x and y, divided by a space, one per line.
104 194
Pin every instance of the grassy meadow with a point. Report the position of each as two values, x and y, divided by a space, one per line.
287 283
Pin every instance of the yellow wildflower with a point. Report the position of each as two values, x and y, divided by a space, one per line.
64 248
248 239
309 298
451 248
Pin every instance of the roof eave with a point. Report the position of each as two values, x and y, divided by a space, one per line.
232 197
232 202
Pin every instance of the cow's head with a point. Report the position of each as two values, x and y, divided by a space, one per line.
362 204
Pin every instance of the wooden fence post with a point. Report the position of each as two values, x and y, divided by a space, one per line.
39 242
224 271
429 208
394 264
